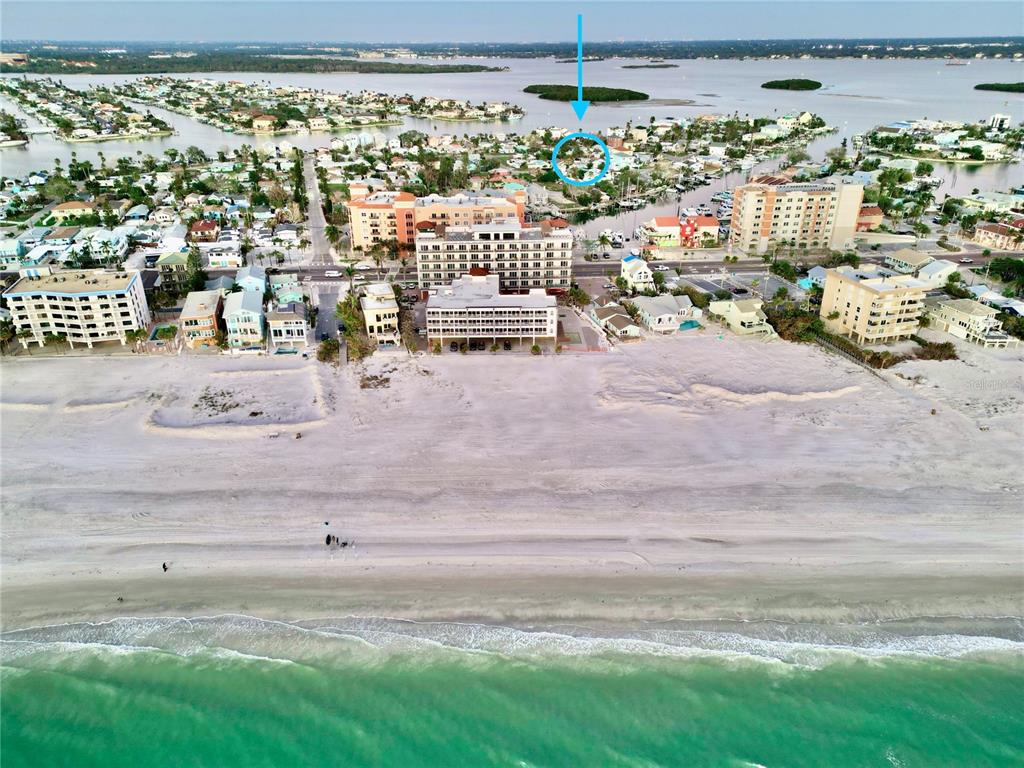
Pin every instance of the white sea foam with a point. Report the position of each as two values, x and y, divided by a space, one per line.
376 640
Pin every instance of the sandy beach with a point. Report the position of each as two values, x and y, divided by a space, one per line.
686 478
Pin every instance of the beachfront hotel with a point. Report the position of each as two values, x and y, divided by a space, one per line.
384 216
86 307
771 211
871 305
521 257
473 308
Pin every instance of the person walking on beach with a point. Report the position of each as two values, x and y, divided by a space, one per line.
165 567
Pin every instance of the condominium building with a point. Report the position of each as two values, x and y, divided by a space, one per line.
817 215
521 257
199 318
871 305
384 216
970 320
473 308
380 314
86 307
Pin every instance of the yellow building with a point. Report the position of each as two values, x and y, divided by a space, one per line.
872 306
771 211
380 313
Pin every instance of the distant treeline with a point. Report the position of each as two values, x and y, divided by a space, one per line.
830 48
1004 87
591 93
133 63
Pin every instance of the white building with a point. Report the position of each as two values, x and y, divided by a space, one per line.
521 257
664 314
243 319
637 274
286 325
472 308
907 260
87 306
970 320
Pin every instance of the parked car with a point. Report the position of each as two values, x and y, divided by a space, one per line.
966 260
739 291
454 346
507 346
608 286
324 336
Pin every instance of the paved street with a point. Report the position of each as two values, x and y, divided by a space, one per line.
315 222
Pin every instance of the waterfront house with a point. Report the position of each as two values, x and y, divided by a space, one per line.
243 319
199 319
380 313
972 321
286 324
666 313
743 317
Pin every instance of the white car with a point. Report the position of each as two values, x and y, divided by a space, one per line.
332 273
661 268
965 260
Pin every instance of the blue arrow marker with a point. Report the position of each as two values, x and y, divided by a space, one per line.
579 106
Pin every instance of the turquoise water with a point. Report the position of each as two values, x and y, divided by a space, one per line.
239 691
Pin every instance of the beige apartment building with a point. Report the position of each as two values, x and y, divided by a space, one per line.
872 306
473 308
817 215
380 314
86 307
521 257
384 216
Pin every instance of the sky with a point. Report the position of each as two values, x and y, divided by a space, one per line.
504 21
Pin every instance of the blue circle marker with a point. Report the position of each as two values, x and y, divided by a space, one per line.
585 182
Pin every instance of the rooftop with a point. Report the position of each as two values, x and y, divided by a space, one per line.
200 304
969 307
483 291
74 281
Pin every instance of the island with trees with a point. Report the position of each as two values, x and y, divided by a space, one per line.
593 94
1001 87
792 84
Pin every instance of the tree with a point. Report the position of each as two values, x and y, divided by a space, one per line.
197 276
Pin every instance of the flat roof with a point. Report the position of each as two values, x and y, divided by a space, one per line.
200 304
482 291
74 281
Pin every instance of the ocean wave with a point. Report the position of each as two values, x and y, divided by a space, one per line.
368 641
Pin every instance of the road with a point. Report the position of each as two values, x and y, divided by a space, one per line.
315 221
325 320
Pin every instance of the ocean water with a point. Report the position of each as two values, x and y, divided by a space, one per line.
235 690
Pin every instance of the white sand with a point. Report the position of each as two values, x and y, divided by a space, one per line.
681 477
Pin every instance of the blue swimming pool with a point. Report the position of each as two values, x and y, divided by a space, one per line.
688 325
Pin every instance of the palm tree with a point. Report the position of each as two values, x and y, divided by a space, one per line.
350 272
